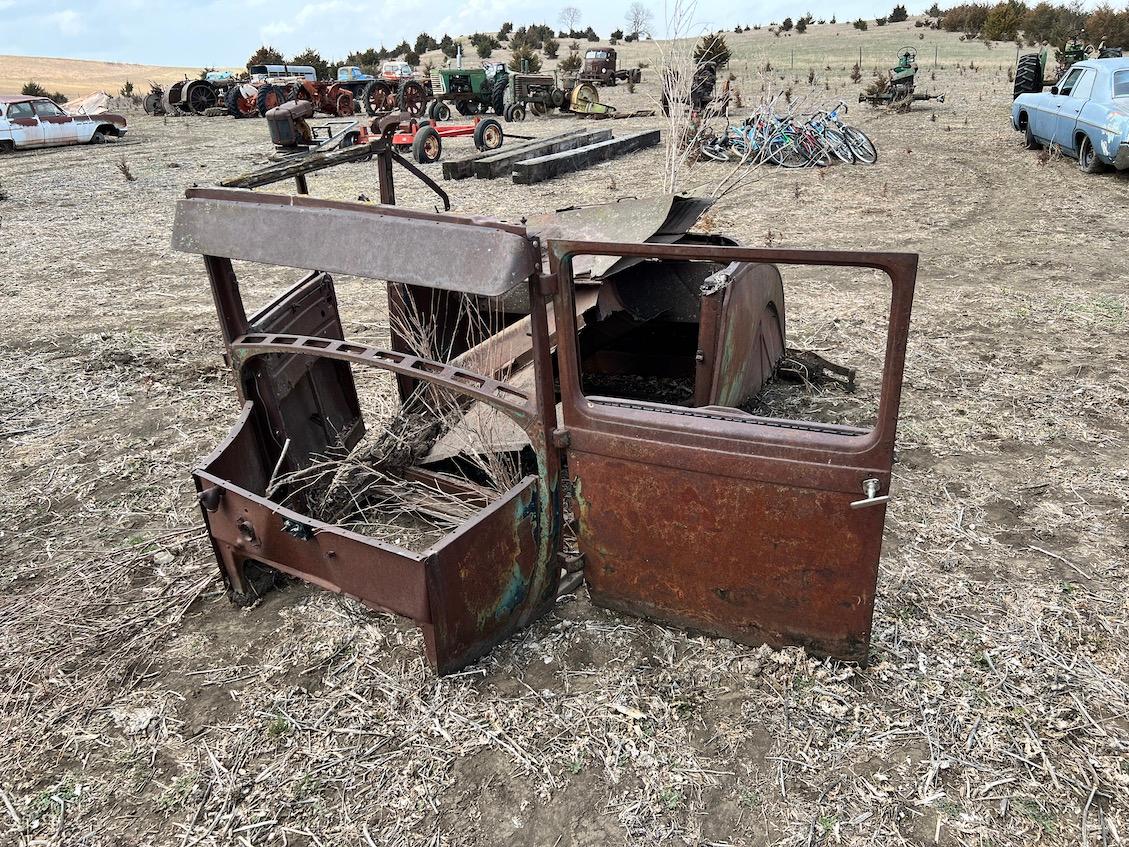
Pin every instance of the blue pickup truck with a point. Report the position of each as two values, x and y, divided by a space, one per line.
1086 115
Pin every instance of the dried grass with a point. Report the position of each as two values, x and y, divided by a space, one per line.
138 707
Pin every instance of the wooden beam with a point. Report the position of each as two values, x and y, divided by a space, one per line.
547 167
502 162
464 168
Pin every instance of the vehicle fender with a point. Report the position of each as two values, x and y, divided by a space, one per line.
1107 129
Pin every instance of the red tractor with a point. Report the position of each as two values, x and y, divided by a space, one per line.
329 98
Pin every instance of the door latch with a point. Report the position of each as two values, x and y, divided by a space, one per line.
870 489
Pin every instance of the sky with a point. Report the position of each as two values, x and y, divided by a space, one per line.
224 33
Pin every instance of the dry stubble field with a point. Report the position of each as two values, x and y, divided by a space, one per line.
137 707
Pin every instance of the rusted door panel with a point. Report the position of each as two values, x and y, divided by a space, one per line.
314 399
724 522
758 562
485 582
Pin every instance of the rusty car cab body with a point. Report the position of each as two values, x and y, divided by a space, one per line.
698 515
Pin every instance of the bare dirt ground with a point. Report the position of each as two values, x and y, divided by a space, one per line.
139 708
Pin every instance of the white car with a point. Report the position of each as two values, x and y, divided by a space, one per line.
38 122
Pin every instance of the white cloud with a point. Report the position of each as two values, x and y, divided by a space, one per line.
68 21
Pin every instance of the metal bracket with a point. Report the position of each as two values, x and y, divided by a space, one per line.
548 284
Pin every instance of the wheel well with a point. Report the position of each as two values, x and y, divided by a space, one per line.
1078 137
108 129
7 146
1023 120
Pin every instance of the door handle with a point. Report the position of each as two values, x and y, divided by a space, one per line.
870 489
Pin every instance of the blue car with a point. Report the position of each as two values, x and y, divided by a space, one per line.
1086 115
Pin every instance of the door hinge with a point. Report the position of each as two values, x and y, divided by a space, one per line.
561 439
548 284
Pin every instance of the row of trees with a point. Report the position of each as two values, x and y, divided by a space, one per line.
1013 20
527 42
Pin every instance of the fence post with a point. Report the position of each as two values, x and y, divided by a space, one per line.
934 56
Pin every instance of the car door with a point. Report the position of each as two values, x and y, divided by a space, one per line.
756 529
1066 109
58 126
24 125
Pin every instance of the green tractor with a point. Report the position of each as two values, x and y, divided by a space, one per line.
1031 72
472 91
896 90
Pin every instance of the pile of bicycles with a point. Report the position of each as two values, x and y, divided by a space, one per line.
790 141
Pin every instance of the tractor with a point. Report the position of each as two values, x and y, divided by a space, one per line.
1031 71
473 91
897 90
536 93
330 98
382 96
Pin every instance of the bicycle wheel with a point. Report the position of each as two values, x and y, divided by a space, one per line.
784 150
814 148
714 150
838 145
861 146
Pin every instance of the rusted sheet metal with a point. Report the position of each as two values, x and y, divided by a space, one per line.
292 369
357 241
741 334
660 219
484 581
508 352
726 523
244 525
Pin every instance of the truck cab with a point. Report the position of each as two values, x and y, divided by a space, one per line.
351 73
601 67
396 71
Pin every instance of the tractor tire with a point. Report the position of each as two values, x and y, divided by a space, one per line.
1088 161
498 99
375 97
1028 75
236 102
152 103
427 146
488 135
412 98
464 108
1029 140
268 97
198 96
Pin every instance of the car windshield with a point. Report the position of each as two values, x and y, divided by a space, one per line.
1121 84
597 54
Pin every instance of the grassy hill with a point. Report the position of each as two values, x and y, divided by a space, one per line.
78 77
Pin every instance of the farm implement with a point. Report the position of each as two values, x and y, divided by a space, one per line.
896 89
